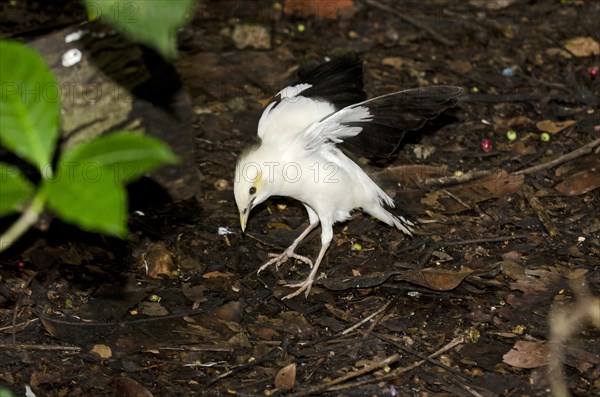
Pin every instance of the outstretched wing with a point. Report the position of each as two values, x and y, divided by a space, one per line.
377 126
319 93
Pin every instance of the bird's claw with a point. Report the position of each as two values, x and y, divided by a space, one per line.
279 259
304 286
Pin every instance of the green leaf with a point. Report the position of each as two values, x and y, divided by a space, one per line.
15 189
153 23
90 201
29 104
120 156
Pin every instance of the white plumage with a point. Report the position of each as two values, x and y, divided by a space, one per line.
299 156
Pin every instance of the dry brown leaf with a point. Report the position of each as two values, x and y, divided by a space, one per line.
231 311
395 62
127 387
153 309
461 66
492 4
552 127
462 197
436 279
526 354
536 281
157 260
580 182
210 275
102 350
574 274
330 9
582 47
286 377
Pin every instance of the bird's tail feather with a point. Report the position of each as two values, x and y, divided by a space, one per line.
399 218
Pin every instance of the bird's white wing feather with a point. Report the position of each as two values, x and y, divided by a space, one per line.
337 126
291 113
387 118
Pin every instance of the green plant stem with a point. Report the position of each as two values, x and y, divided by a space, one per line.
27 219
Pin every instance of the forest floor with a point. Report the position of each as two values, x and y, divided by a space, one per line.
494 296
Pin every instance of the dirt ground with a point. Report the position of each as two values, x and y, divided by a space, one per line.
495 296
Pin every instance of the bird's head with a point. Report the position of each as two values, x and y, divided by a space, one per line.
251 185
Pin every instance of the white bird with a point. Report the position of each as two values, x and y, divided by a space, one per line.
301 135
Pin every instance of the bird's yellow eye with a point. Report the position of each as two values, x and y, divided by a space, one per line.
252 190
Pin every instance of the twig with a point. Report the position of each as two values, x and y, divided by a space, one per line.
266 357
585 149
470 390
327 385
366 319
540 211
25 346
20 325
398 371
420 355
457 179
418 24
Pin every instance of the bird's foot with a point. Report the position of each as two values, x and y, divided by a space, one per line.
279 259
304 286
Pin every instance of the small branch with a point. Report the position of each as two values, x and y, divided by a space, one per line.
540 211
418 24
25 346
366 319
398 371
585 149
27 219
327 385
25 324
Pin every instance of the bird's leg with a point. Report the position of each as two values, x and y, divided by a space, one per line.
278 259
326 237
307 284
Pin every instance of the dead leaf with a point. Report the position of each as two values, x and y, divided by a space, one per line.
492 4
331 9
102 350
153 309
246 35
422 152
525 354
395 62
574 274
438 279
231 311
195 293
580 182
582 47
512 269
460 198
157 260
212 275
461 66
433 278
552 127
127 387
286 377
536 281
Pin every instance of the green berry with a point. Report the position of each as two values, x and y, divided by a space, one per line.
545 137
511 135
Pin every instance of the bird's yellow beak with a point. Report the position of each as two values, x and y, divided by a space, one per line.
244 218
